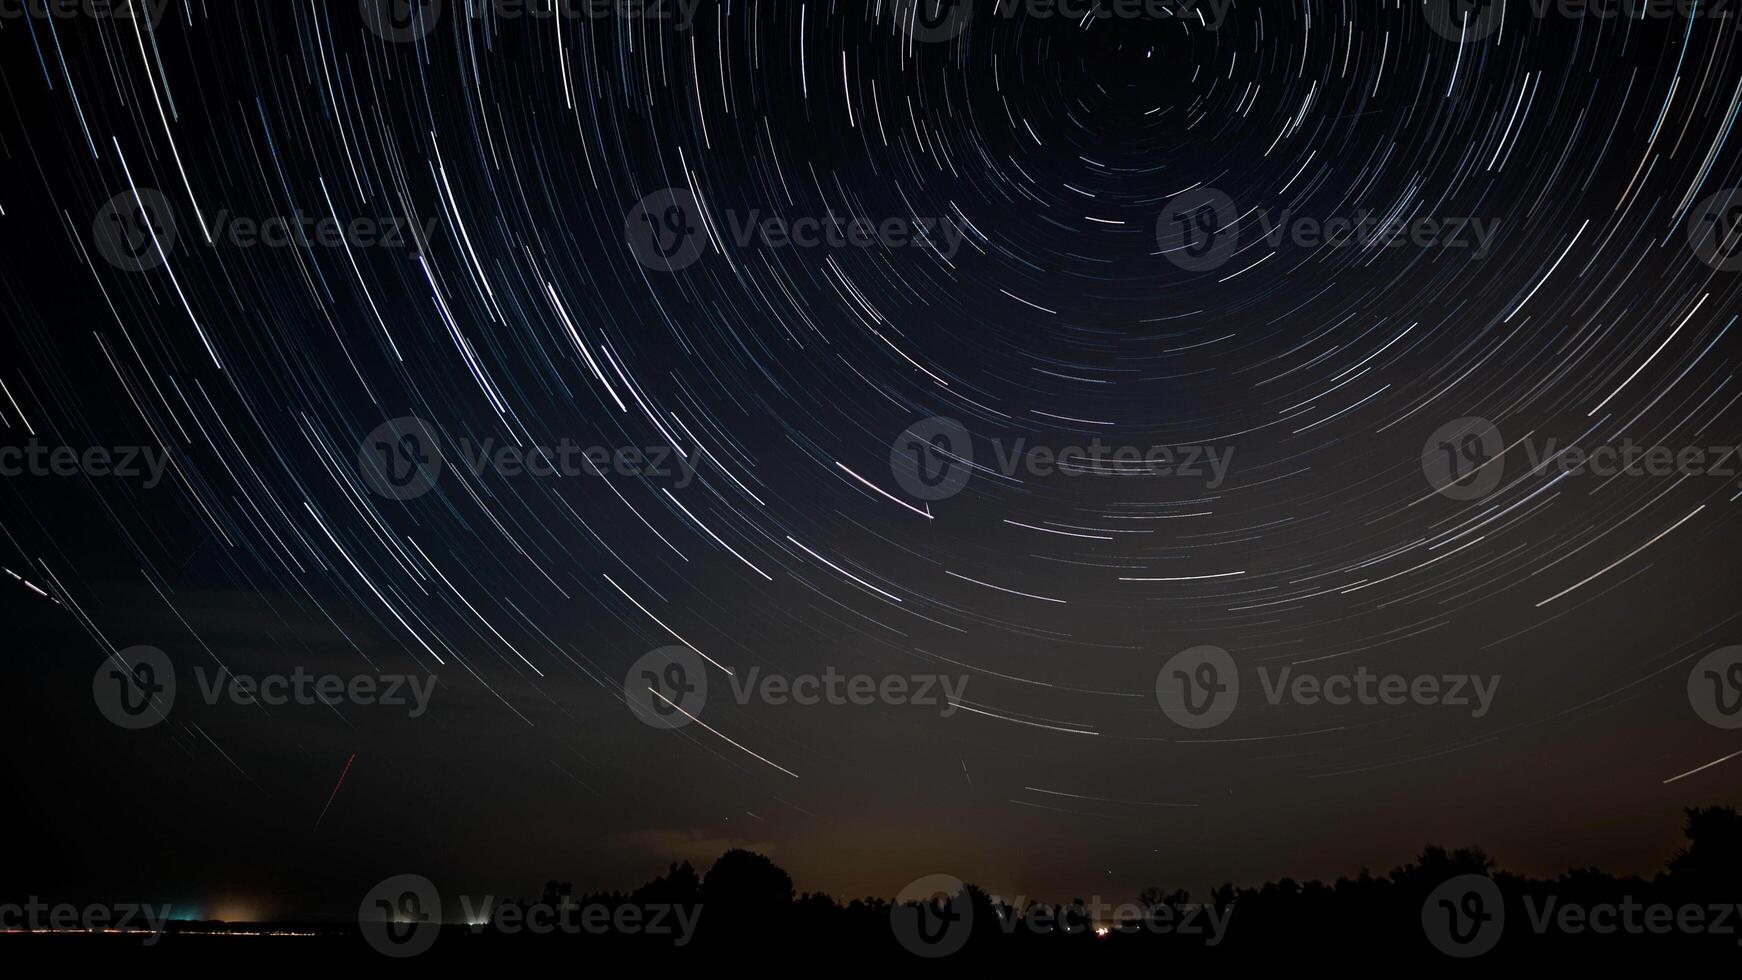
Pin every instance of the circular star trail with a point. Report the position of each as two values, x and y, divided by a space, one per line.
509 342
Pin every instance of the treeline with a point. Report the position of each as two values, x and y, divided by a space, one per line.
1435 908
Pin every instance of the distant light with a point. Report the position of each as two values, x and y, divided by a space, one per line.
1101 932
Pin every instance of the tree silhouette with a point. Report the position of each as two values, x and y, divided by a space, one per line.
749 907
678 886
747 898
748 880
1712 861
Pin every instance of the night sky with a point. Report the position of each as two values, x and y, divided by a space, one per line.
1350 251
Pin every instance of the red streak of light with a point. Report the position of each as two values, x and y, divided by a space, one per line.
335 795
